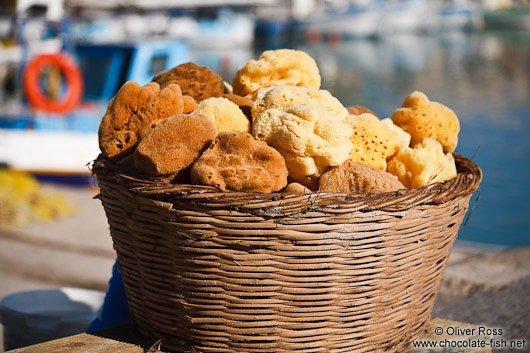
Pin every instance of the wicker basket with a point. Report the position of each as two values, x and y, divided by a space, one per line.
237 272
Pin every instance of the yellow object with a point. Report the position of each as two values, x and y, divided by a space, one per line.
282 97
404 137
224 114
422 165
309 137
23 200
422 118
373 142
282 67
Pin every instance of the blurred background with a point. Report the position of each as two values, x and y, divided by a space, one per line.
61 61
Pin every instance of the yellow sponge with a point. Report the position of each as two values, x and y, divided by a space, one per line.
373 142
422 118
282 67
404 137
224 114
424 164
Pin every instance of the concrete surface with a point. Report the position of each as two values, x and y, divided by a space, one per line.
481 285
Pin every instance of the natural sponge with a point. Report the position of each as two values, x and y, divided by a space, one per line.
404 137
174 144
373 142
358 178
422 118
189 104
224 114
424 164
282 97
309 137
296 188
197 81
245 104
359 109
282 67
130 110
236 161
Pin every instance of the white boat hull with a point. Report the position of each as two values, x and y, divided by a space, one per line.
48 151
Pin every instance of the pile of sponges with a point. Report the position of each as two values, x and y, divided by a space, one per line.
273 129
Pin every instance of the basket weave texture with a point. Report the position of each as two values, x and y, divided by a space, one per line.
210 271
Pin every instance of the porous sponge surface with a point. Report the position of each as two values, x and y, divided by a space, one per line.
373 142
282 67
309 137
224 114
357 178
422 118
238 162
283 97
130 111
422 165
174 144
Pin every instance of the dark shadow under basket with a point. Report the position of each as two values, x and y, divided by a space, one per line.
207 271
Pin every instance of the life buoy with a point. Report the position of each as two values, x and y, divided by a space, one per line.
72 77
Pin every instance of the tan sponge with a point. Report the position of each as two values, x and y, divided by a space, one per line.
283 97
373 142
224 114
174 144
422 118
309 137
358 110
196 81
282 67
358 178
424 164
132 109
237 162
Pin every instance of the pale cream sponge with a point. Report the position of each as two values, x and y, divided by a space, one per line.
282 97
309 137
422 165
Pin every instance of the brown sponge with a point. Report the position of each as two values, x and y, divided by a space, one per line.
189 104
174 144
359 109
295 188
197 81
130 111
238 162
358 178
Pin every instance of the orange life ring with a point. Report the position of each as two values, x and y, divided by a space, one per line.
72 76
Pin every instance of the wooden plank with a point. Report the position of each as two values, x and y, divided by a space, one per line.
126 339
119 339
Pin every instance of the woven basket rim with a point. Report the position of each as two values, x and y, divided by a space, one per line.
282 204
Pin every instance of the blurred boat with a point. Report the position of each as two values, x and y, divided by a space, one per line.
351 19
201 28
58 146
517 18
406 16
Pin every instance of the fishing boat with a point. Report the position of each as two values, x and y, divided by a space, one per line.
39 132
516 18
350 19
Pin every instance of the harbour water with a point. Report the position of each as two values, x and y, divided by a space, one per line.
484 77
